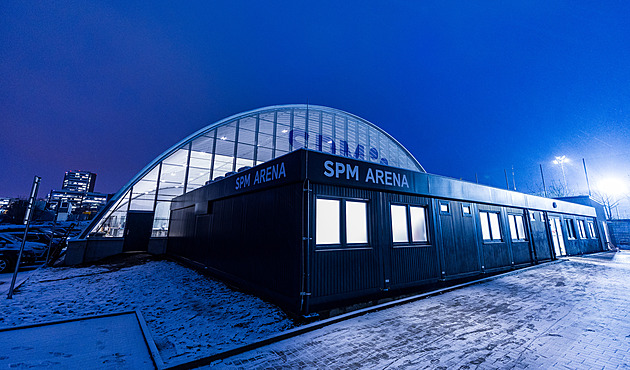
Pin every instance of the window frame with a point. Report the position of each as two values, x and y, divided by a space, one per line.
469 207
519 237
581 229
570 225
410 242
447 204
343 227
490 228
591 229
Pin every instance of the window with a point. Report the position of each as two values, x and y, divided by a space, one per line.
581 229
532 216
444 207
356 223
466 210
406 219
329 230
327 222
591 230
418 224
490 226
399 224
517 228
570 229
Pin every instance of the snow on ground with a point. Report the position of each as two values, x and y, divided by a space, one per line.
189 315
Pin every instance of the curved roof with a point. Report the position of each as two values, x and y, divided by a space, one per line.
242 140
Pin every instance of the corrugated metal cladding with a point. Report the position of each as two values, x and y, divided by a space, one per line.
263 235
347 271
252 239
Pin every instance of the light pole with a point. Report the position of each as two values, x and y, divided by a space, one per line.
561 160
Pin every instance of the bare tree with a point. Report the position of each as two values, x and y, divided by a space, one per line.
557 189
610 202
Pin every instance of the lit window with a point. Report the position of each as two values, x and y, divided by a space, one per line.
356 222
418 224
465 209
581 229
327 222
591 230
443 207
490 226
517 228
399 224
532 216
570 229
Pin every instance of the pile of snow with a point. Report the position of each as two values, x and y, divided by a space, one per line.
189 315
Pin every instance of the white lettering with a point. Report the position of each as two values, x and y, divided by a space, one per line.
328 166
370 176
339 169
352 172
379 176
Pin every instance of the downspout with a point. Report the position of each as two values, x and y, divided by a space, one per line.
306 242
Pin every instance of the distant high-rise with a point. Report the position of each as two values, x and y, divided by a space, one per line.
81 181
77 196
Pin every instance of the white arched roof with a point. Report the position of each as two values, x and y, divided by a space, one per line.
245 139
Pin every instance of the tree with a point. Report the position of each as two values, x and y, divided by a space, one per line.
17 209
610 202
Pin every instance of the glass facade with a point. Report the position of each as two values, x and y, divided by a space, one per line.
242 141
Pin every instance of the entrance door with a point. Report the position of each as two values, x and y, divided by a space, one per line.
556 236
138 231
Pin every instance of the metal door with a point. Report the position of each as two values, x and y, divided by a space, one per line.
138 230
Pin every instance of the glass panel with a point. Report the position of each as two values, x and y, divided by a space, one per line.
485 226
520 227
399 224
532 216
113 223
418 224
227 132
494 226
582 229
197 178
171 181
265 141
263 155
161 219
591 230
466 210
180 157
356 222
570 229
222 165
327 221
265 124
444 207
560 237
513 231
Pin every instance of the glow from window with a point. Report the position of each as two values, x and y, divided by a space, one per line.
399 224
418 224
327 221
356 223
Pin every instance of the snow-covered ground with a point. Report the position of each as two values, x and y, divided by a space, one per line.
189 315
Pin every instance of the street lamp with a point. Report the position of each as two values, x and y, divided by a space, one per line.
561 161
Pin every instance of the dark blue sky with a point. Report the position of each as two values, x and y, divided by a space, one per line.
467 87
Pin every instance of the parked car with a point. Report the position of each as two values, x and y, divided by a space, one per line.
10 248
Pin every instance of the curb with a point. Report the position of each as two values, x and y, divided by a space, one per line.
326 322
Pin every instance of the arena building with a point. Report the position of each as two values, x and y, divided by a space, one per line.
312 207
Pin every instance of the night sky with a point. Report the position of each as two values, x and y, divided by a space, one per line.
468 87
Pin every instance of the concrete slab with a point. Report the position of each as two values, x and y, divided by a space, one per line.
105 342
